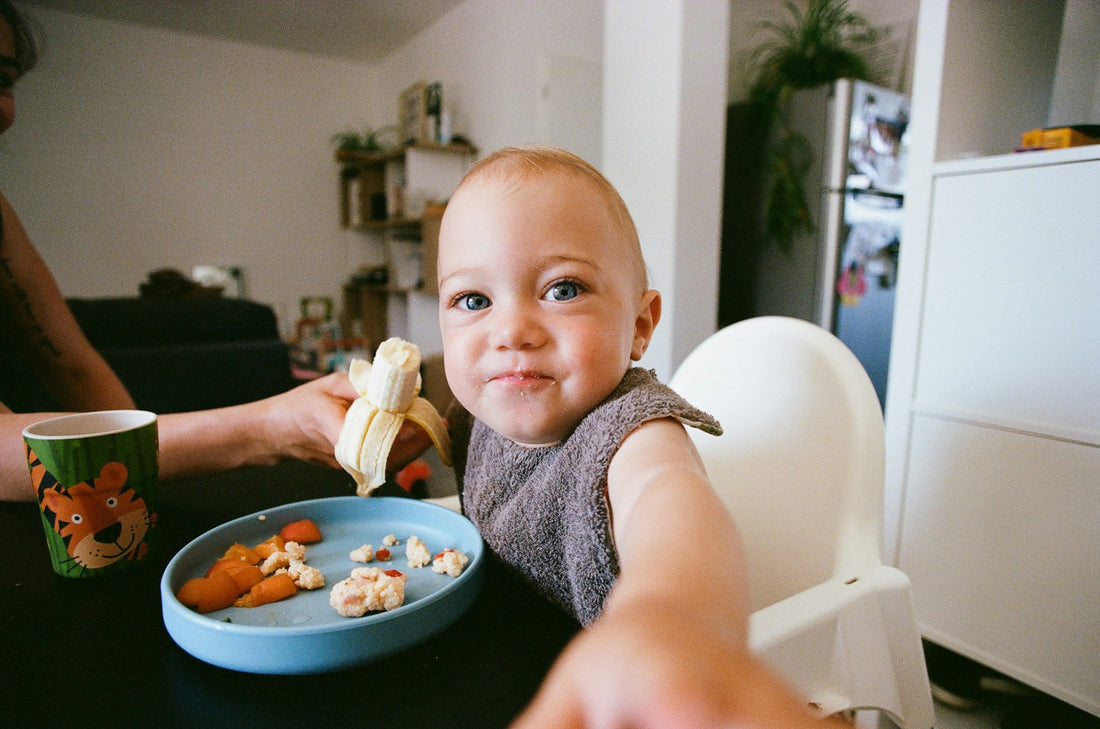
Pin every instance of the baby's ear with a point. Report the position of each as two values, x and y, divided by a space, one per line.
649 313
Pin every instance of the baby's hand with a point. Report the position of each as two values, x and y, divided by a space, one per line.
644 666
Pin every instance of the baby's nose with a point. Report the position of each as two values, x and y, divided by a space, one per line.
517 328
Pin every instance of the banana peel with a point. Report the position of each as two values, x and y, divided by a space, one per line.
389 394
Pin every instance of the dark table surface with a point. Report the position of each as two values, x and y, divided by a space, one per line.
95 653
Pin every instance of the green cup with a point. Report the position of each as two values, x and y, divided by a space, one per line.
96 479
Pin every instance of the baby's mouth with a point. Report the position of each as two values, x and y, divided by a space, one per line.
520 377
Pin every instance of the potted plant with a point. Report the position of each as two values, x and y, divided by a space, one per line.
367 141
810 47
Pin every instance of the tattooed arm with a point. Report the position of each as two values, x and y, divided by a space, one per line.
36 318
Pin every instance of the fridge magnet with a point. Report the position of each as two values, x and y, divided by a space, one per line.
852 285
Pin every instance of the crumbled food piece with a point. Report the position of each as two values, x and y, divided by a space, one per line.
305 576
291 552
450 562
390 540
362 554
262 517
417 552
296 551
383 554
277 561
369 589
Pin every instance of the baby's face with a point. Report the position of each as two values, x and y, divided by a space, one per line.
539 305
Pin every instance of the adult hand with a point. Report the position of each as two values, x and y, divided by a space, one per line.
311 415
305 422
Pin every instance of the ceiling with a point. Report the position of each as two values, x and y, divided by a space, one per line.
362 31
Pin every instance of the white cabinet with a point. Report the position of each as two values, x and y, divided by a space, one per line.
1011 330
993 409
1000 531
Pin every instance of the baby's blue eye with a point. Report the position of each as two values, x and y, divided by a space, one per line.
563 291
473 302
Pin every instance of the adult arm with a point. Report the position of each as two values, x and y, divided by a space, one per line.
39 322
302 423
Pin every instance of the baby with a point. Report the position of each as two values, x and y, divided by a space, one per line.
576 466
544 304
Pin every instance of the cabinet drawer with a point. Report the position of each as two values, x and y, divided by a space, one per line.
1011 330
1001 539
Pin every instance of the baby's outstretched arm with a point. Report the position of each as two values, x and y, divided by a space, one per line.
670 649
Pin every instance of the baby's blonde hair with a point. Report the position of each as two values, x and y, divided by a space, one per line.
526 161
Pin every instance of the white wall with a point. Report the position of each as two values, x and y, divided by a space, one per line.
664 117
1076 95
486 54
664 71
137 149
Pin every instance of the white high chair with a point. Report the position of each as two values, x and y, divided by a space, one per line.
801 468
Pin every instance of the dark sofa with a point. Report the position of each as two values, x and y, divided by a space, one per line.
172 354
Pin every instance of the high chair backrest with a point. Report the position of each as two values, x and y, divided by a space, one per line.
800 464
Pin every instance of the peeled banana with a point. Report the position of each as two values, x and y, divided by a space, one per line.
389 390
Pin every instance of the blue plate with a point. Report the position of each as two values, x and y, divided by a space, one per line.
304 634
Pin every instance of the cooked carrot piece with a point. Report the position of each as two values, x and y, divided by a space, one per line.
191 591
274 588
220 593
304 531
223 564
241 553
206 594
245 575
269 546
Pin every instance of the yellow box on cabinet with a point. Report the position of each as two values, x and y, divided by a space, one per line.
1056 138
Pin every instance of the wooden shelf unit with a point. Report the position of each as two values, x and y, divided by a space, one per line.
376 191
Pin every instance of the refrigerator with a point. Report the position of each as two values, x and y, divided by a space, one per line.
843 275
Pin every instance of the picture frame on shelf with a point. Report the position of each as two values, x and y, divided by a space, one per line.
433 109
412 114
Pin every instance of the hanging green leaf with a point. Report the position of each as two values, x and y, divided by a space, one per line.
808 48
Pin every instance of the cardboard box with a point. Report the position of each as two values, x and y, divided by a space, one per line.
1056 138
